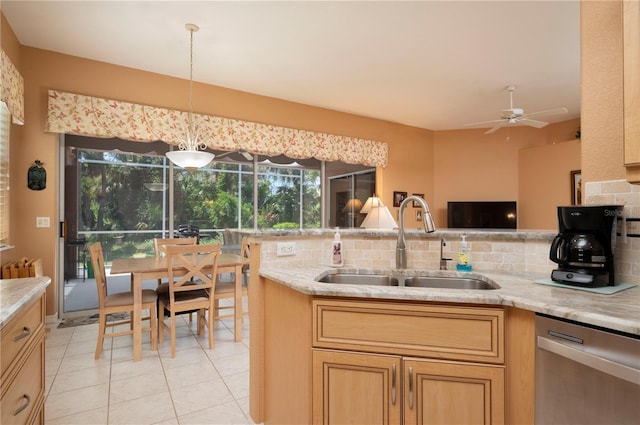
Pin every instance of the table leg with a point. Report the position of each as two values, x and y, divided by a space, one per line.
237 310
137 317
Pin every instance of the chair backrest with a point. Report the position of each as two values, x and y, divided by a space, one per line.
97 261
160 243
188 263
188 231
244 248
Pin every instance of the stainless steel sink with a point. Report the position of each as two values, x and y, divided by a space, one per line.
391 278
448 282
360 279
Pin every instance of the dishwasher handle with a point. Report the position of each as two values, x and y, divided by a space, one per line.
595 362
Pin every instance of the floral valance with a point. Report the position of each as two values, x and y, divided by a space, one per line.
12 89
91 116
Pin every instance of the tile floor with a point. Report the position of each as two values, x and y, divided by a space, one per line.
198 386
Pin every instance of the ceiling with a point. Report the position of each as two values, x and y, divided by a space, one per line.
431 64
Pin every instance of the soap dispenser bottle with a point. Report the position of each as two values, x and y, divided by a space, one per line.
337 259
463 263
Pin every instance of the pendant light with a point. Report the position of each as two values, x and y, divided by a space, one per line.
191 153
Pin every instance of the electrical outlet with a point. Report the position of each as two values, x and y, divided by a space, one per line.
43 222
285 248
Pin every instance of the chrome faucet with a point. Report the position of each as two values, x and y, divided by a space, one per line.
443 261
427 220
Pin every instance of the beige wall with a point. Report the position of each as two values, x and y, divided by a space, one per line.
602 96
472 166
545 182
420 161
44 70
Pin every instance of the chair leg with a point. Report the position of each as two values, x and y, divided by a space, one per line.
153 318
161 324
210 326
101 330
173 334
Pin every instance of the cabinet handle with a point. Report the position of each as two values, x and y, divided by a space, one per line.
26 331
393 384
24 406
410 388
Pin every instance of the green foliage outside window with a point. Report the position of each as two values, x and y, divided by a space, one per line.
123 199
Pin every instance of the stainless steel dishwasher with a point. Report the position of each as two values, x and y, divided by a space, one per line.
585 375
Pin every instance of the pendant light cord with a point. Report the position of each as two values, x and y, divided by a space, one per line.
191 30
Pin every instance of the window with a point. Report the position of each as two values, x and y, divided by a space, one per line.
5 121
122 198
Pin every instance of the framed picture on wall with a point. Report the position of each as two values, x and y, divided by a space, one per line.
398 197
576 187
419 195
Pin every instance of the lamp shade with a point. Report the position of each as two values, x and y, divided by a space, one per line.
354 205
379 218
190 159
372 201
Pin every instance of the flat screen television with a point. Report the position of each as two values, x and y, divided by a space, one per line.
482 215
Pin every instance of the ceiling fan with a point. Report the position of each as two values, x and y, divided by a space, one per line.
244 153
513 115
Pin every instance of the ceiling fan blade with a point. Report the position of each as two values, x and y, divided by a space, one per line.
532 123
497 127
484 122
547 112
245 154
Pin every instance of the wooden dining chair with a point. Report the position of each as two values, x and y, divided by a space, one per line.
227 289
160 243
159 251
245 252
186 265
119 302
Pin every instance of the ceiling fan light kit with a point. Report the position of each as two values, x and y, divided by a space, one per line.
514 116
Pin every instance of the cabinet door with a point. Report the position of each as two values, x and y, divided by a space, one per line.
631 20
356 388
438 392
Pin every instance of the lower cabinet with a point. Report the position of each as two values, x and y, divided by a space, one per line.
439 392
22 358
364 388
356 388
407 363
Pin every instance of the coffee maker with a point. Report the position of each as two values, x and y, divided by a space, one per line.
585 244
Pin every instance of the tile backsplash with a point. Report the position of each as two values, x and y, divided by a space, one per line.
500 252
509 252
620 192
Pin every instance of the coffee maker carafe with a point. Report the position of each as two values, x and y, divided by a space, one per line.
585 244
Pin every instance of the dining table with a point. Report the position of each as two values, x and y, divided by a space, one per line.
148 268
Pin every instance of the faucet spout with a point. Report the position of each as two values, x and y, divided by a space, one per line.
427 221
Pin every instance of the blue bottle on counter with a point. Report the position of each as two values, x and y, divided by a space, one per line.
463 259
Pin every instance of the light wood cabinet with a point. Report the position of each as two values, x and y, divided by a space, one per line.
631 28
335 360
369 386
439 392
356 388
22 366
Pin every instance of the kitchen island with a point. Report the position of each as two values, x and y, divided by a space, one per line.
306 334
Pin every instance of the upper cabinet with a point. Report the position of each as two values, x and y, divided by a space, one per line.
631 23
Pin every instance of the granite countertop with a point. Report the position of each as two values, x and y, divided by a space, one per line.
16 293
620 311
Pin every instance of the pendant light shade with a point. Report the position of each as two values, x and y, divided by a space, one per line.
190 159
191 153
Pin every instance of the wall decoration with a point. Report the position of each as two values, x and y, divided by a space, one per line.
576 187
398 197
37 176
419 195
419 215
